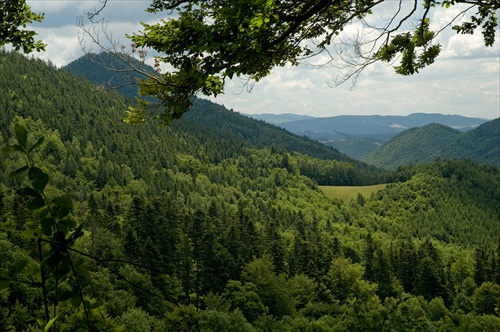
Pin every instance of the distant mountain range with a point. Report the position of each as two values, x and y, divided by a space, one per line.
278 119
354 136
432 141
359 135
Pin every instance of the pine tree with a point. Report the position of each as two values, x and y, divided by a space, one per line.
480 266
368 258
275 246
185 268
429 279
382 275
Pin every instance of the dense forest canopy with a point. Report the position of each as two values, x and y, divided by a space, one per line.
108 227
184 228
425 144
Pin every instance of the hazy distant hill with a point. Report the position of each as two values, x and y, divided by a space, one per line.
94 67
278 119
413 146
357 148
358 135
373 127
481 144
432 141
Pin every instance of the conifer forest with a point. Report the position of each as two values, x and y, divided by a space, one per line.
217 222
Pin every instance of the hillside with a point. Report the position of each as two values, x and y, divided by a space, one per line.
481 144
354 148
427 143
109 71
373 127
358 135
443 199
213 119
278 119
181 228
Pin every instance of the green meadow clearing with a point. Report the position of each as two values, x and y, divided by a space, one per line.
347 193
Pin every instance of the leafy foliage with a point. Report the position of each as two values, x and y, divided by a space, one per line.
210 41
14 16
55 233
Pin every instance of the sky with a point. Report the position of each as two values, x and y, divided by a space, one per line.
465 79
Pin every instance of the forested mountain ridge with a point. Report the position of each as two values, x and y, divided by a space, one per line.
424 144
224 235
373 127
358 135
444 199
208 117
278 119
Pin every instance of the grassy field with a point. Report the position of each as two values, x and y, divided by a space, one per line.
347 193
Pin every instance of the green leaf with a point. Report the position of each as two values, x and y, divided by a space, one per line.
43 213
65 295
49 324
38 276
21 135
96 305
69 223
86 305
78 232
47 226
65 225
98 326
17 268
63 269
76 300
37 144
50 284
78 262
39 178
12 149
30 234
18 171
59 236
4 279
64 204
54 259
36 203
28 192
83 275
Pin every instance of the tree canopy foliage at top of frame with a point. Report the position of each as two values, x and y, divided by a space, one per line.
207 42
14 16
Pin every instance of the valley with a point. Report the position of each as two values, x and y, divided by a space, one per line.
362 137
219 222
348 193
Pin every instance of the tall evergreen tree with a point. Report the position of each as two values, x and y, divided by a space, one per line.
274 246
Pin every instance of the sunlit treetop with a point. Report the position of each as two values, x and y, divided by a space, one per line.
15 15
207 42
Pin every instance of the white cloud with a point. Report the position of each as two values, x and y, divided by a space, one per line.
467 46
61 45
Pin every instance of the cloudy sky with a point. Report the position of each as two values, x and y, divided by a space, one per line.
464 80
